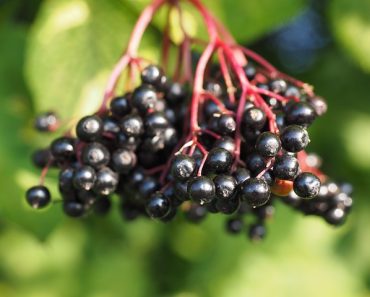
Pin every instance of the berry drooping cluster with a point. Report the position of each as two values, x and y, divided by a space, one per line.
228 137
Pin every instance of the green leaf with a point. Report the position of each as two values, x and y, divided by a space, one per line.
246 20
73 47
15 175
249 20
350 22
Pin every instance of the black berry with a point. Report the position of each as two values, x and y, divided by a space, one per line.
286 167
268 144
38 197
256 192
158 206
89 128
201 189
307 185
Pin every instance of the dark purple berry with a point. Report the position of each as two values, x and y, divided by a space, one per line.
256 192
201 189
38 197
218 160
257 232
63 148
152 75
268 144
121 106
106 181
294 138
95 154
300 113
132 125
225 186
307 185
254 118
84 178
144 99
46 122
183 167
286 167
73 209
123 160
158 206
234 226
89 128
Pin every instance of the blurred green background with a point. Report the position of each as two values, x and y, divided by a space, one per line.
57 54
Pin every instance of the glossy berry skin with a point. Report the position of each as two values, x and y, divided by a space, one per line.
183 167
300 113
38 197
121 106
147 186
132 125
127 142
106 181
46 122
201 189
155 121
66 181
84 178
286 167
63 148
226 124
158 206
307 185
89 128
225 186
110 125
268 144
218 160
123 160
256 192
254 118
176 93
226 143
294 138
210 108
234 226
73 209
144 99
255 163
152 75
241 175
95 154
257 232
136 177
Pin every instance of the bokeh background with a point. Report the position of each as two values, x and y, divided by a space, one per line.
57 54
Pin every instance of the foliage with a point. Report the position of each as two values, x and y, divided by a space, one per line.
60 59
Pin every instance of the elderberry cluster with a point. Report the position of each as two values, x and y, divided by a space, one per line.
142 149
